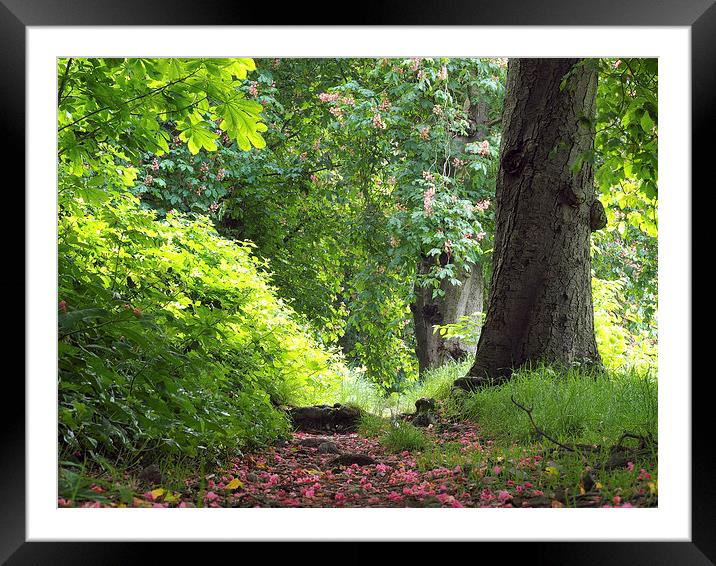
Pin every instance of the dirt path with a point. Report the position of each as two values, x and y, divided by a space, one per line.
459 468
316 471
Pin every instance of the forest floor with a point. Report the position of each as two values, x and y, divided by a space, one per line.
457 468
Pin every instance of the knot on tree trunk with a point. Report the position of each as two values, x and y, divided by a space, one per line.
432 314
597 216
512 161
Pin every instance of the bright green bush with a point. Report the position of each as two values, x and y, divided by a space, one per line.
171 337
619 348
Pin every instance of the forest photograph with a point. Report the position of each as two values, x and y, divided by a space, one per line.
370 282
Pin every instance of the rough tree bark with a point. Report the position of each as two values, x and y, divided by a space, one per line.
431 348
540 303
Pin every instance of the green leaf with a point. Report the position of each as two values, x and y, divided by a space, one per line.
647 124
198 135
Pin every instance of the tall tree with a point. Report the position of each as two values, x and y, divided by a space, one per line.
540 303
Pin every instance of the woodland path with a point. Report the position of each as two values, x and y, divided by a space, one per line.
459 468
304 472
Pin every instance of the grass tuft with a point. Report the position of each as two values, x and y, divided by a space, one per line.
571 406
403 436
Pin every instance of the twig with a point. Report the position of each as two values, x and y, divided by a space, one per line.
534 425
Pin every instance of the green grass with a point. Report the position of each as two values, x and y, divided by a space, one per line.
569 406
448 455
436 383
403 436
358 391
372 426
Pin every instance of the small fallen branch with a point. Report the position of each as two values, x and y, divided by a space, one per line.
619 455
534 425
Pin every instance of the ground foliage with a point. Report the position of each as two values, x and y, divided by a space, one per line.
451 465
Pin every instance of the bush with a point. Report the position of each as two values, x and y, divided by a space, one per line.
170 337
619 348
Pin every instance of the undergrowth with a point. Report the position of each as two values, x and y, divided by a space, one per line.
171 341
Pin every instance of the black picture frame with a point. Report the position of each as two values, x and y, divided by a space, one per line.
699 15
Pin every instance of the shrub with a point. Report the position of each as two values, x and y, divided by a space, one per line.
171 337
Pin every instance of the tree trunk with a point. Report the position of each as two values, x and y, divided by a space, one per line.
540 303
431 348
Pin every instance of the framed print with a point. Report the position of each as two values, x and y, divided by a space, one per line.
402 275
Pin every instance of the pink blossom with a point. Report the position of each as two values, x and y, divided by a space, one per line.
484 149
428 199
482 205
378 121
